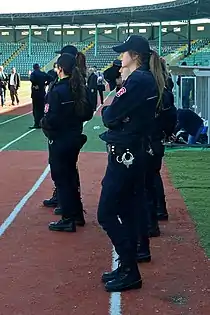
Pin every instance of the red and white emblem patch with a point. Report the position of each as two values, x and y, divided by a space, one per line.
121 92
46 108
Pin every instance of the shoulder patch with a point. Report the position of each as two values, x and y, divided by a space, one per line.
121 92
46 108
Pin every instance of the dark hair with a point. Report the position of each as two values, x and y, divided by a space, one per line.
152 60
77 84
81 63
36 66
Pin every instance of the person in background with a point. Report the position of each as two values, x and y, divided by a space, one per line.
191 123
39 81
3 85
53 72
14 85
101 86
113 76
92 85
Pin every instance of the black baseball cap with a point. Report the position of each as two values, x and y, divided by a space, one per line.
69 49
135 43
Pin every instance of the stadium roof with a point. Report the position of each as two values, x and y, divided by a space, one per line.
170 11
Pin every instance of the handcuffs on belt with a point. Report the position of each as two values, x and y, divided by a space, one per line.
126 158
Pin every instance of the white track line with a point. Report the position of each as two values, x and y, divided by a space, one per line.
115 298
23 201
15 140
14 118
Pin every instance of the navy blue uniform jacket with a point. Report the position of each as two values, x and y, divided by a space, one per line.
189 121
130 116
39 81
61 120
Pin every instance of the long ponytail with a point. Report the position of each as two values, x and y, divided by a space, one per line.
156 69
81 64
78 89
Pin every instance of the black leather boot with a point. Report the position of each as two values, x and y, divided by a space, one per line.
53 201
109 276
154 231
127 278
79 216
64 225
143 250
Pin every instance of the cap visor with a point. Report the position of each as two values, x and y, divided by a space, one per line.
58 52
121 48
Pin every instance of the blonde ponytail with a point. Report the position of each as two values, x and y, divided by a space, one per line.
156 69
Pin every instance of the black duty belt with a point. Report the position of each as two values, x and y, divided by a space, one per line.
123 156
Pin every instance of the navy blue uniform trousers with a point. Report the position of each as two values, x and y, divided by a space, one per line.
122 196
63 158
154 187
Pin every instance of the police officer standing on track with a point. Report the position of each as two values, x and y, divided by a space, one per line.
39 80
66 111
129 120
53 201
165 121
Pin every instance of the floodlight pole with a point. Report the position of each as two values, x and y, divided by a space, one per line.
61 36
189 38
29 40
160 40
96 40
117 33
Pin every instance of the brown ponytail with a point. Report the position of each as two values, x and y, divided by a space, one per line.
78 89
81 64
156 69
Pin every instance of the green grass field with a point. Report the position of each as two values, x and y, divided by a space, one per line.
190 172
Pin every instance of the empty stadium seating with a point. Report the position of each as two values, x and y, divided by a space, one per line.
7 49
105 55
41 53
200 54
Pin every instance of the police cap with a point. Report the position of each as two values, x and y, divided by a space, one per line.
135 43
69 49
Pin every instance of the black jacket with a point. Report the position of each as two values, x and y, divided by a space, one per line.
39 80
16 79
189 121
61 120
92 86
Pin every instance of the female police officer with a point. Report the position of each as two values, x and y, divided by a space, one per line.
129 120
53 201
164 124
63 125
